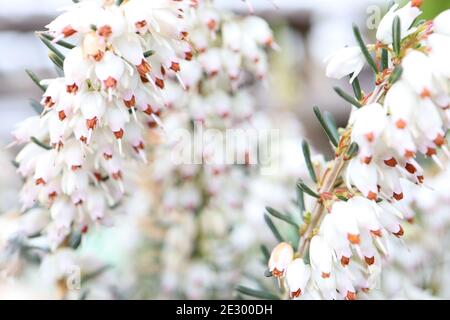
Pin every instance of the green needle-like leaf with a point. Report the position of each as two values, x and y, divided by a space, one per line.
331 123
62 43
36 80
396 74
266 253
308 161
384 59
364 49
347 97
352 151
149 53
281 216
36 106
56 60
307 189
273 228
51 47
325 127
396 35
357 89
40 143
301 201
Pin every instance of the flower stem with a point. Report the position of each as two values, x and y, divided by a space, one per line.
328 182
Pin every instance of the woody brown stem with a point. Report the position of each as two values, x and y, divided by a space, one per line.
328 182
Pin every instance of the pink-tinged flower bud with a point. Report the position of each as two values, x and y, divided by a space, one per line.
297 277
280 258
344 62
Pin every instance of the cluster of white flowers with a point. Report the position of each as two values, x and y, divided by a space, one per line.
341 252
420 269
94 116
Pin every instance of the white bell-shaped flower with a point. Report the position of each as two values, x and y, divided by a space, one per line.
344 62
280 258
297 277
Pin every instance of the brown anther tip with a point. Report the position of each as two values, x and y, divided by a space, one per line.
119 134
425 93
377 233
400 124
160 83
431 152
369 136
277 273
68 31
72 88
369 260
61 115
110 82
345 261
91 123
410 168
212 24
440 140
391 162
175 66
398 196
354 238
350 295
75 167
400 232
367 160
372 195
130 103
296 294
325 275
104 31
40 181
